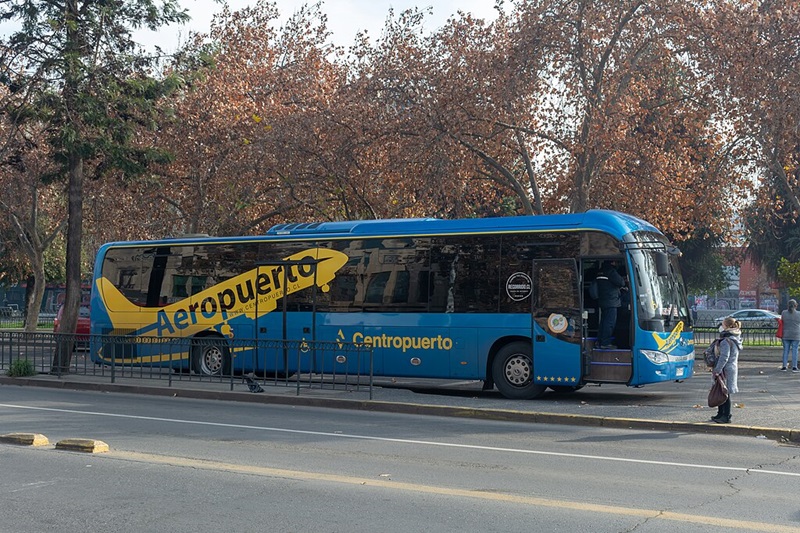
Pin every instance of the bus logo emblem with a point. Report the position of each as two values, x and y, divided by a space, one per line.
519 286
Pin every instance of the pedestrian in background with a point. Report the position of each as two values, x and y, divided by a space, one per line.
728 364
791 334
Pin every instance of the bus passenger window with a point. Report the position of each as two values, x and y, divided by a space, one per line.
375 288
400 293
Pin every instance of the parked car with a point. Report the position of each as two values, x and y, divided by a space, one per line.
83 320
754 318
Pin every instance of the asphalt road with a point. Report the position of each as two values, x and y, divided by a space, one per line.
768 404
178 464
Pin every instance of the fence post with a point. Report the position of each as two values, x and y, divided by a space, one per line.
297 374
171 368
371 359
113 358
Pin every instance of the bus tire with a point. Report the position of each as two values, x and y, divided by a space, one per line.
512 372
211 357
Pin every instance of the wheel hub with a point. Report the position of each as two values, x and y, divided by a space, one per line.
212 361
518 370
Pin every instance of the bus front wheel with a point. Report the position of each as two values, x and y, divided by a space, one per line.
211 357
512 371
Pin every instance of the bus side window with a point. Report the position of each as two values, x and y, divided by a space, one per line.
441 272
376 287
464 274
400 292
344 289
129 269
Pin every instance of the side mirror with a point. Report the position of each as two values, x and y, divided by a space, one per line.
662 264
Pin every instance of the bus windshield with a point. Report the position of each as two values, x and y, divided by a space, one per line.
660 299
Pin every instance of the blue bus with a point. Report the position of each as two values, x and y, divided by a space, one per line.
503 300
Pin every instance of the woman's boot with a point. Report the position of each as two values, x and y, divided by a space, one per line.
724 414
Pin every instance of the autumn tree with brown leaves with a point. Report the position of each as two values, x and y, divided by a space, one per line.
564 106
555 106
35 212
32 207
753 54
446 101
246 129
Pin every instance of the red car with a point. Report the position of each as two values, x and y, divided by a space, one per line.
83 320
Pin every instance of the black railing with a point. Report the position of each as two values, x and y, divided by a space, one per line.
232 362
706 331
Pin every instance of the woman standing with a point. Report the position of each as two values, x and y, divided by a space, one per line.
791 334
728 364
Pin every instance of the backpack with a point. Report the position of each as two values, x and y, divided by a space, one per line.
711 355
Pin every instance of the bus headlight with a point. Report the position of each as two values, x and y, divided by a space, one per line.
656 357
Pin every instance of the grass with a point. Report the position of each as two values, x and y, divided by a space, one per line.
19 324
21 368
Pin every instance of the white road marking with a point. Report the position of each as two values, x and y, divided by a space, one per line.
408 441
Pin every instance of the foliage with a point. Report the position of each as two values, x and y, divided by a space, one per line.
14 268
88 83
680 113
532 113
702 263
789 275
245 127
772 234
21 368
86 78
753 58
33 209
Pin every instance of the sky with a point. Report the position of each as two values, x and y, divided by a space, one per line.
345 17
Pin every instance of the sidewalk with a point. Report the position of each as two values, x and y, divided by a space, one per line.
768 405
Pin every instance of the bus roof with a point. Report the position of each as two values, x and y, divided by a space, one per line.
612 222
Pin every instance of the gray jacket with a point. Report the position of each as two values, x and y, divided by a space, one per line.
728 361
791 325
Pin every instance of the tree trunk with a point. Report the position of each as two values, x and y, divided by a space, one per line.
34 300
30 286
74 48
72 299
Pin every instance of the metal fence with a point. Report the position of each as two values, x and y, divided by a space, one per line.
706 331
250 362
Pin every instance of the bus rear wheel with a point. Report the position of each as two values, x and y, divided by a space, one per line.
211 357
512 372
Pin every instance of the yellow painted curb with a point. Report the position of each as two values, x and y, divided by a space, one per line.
25 439
82 445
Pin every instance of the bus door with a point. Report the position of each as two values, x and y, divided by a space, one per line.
557 323
609 364
286 324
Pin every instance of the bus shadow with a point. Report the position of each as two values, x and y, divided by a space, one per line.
589 395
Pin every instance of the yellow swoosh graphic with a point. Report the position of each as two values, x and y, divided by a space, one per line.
669 344
253 293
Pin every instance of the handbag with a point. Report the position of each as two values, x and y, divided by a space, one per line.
779 333
719 392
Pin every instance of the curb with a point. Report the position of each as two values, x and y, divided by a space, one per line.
776 434
25 439
82 445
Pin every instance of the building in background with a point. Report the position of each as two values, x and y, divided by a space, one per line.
757 289
749 287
